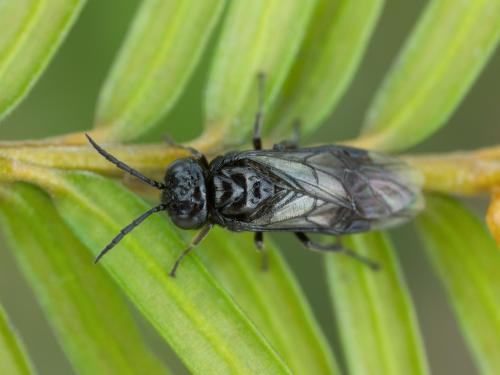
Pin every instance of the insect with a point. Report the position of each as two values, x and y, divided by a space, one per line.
330 189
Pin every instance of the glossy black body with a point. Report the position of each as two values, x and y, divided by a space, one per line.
327 189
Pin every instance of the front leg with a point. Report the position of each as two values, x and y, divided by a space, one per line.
195 241
194 153
259 244
334 247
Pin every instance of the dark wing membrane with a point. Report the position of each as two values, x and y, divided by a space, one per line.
334 189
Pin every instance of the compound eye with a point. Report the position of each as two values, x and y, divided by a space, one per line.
190 220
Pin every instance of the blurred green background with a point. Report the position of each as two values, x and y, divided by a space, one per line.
64 100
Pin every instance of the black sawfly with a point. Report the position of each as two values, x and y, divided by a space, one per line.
329 189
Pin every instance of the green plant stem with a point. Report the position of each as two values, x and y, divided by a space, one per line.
462 173
150 158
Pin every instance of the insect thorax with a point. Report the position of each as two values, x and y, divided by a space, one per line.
240 191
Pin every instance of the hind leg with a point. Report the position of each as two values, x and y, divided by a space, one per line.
334 247
290 144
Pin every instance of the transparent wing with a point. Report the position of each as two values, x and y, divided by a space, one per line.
334 189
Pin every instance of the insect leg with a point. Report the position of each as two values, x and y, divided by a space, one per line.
124 166
196 240
296 133
127 229
335 247
293 143
194 152
259 117
259 244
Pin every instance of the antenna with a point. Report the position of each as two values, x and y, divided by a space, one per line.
124 166
127 229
